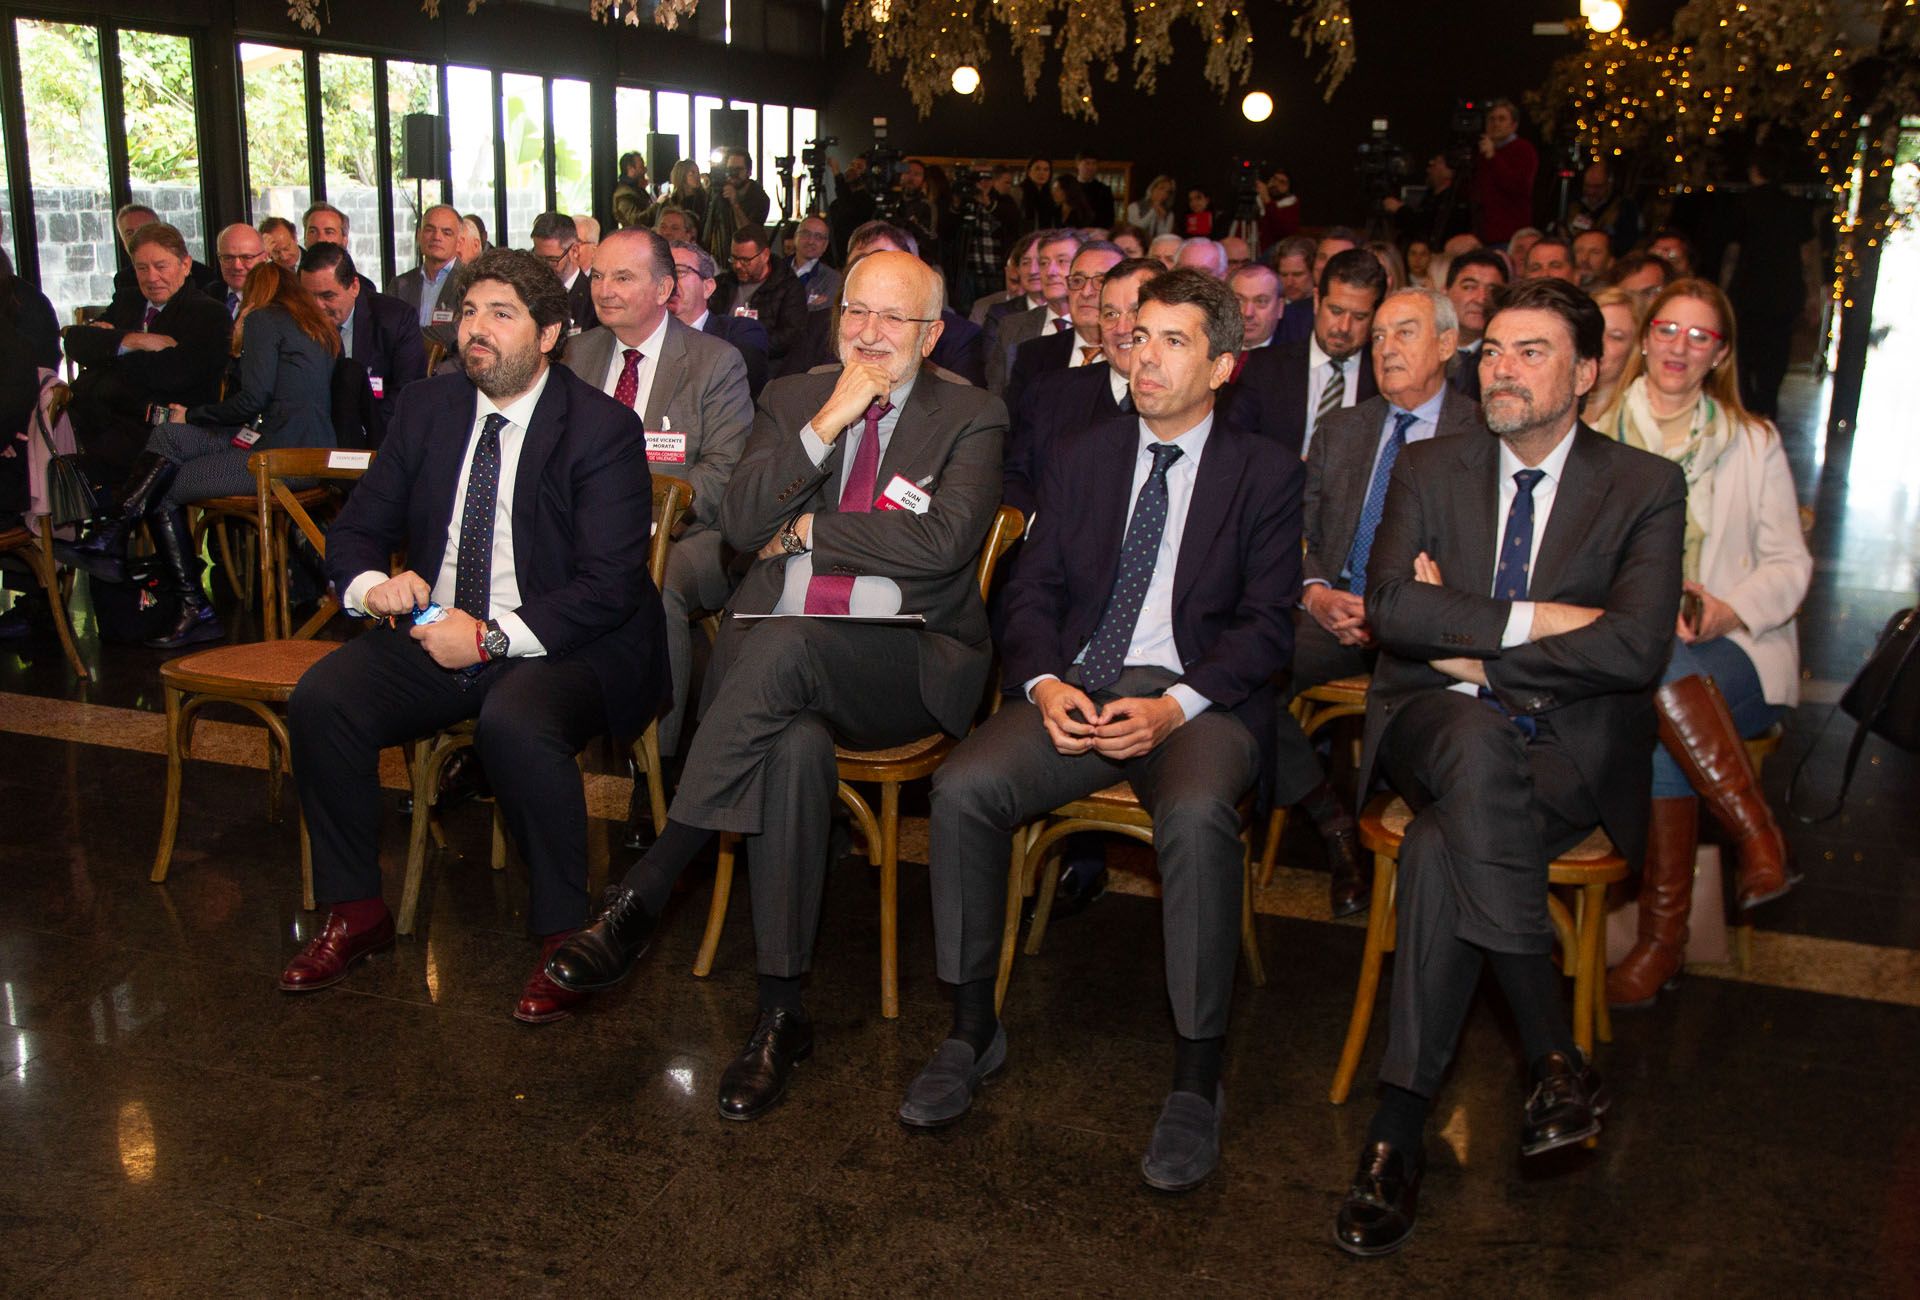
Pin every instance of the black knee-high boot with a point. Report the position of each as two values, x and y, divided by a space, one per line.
196 621
103 552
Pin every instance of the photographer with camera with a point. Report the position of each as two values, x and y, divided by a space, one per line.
988 219
1503 174
1279 210
738 201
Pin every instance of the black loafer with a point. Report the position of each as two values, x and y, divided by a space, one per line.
1185 1146
755 1080
1351 889
943 1091
1377 1216
600 955
1565 1106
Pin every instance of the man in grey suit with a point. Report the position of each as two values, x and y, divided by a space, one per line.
1057 249
1349 465
865 491
434 289
690 391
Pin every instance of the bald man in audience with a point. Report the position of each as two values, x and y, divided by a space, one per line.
864 490
1203 254
1238 254
238 249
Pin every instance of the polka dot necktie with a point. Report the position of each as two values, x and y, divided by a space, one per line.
1334 395
1510 575
832 593
473 566
1107 652
627 390
1375 505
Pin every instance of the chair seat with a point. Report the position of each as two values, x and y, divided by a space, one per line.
1384 825
1341 690
264 670
916 758
250 507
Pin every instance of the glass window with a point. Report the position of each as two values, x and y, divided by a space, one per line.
805 128
163 146
526 126
275 82
673 117
574 175
703 106
632 119
753 130
8 236
347 127
411 88
67 159
470 114
773 144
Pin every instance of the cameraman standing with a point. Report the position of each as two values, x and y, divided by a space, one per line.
989 220
1438 217
739 202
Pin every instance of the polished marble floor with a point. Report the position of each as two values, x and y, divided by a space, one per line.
171 1124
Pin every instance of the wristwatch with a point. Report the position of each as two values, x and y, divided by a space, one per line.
790 541
494 643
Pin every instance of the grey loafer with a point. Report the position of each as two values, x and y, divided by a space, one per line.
1185 1145
942 1092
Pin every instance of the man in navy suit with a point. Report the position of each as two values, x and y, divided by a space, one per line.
1144 626
1286 389
520 496
693 285
1079 346
381 333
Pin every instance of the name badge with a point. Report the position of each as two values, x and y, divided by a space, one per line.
667 448
442 316
379 385
902 495
750 313
246 438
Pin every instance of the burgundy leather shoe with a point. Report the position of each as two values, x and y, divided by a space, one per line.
333 952
542 1000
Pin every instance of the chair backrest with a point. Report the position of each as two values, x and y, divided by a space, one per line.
1008 525
672 498
271 470
436 353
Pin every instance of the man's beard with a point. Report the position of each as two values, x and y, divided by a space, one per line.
1531 418
507 375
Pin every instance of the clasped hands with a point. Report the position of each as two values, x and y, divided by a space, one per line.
1122 729
450 641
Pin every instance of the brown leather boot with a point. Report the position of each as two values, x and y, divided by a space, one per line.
1666 896
1699 732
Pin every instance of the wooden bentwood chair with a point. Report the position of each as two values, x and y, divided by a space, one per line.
889 769
1314 708
261 676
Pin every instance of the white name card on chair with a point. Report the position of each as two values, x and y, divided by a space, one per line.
349 459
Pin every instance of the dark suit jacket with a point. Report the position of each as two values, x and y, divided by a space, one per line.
1463 374
582 509
388 345
750 337
1613 541
1296 322
286 382
1235 584
781 301
1036 357
580 313
126 286
1270 397
949 435
111 395
1056 403
961 348
1340 469
407 287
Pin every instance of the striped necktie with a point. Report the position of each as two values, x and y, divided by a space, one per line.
1334 395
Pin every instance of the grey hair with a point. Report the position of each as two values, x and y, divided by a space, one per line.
1444 316
1217 249
707 267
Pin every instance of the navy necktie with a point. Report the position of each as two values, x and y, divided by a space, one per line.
1107 652
1376 503
473 566
1510 575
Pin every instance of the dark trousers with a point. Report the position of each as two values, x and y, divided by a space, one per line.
1766 342
1008 772
1492 809
1317 659
781 693
696 579
210 465
381 689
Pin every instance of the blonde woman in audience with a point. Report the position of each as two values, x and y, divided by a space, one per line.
1153 214
1389 258
1621 310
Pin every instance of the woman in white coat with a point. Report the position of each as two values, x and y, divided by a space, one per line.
1736 656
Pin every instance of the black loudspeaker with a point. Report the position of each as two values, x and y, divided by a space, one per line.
420 147
727 128
663 151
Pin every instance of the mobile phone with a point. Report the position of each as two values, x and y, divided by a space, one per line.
430 614
158 414
1692 610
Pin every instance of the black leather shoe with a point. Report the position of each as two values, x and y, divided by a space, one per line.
1082 883
600 955
1565 1107
1351 890
1377 1216
757 1078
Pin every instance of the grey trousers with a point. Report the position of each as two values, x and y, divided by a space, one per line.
210 465
695 580
1317 659
1492 809
1008 772
780 695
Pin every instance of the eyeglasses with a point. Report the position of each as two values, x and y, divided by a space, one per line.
554 260
1079 280
1698 336
892 322
1113 315
747 260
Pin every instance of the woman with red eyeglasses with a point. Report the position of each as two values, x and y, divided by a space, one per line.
1736 655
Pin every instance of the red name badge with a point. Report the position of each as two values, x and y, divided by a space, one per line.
750 313
667 448
378 384
246 438
902 495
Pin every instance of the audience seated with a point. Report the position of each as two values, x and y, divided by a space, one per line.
28 313
1079 346
380 334
473 239
282 241
239 249
433 287
821 282
128 294
1643 275
1293 263
1673 248
1257 289
694 283
1284 391
1552 257
1474 277
1056 250
1592 258
1621 311
554 238
763 288
1203 254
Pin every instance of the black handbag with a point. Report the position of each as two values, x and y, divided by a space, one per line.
70 496
1883 699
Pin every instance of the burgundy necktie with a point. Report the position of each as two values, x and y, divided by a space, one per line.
833 593
1061 324
1239 364
628 389
146 320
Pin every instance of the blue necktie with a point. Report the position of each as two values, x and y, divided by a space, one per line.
1107 652
473 566
1375 504
1510 575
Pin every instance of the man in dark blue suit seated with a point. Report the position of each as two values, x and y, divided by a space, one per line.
693 285
1149 614
1079 346
520 497
381 333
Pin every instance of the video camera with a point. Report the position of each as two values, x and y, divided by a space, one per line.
1382 165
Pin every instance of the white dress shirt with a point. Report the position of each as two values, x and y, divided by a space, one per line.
1118 383
872 594
700 324
504 585
1077 357
430 287
1319 371
644 372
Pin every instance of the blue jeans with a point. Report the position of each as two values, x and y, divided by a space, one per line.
1727 664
